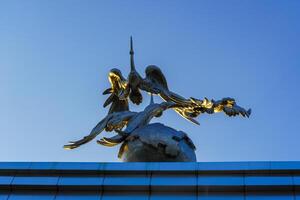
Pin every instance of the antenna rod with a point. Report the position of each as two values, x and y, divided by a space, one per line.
132 66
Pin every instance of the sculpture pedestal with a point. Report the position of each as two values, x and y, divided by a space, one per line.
158 143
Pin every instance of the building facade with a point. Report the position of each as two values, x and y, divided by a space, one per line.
154 181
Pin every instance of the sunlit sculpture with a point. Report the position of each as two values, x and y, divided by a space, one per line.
141 141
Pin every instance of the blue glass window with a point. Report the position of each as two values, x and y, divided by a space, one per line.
35 180
207 180
125 196
3 195
134 181
174 179
78 166
268 180
42 165
173 196
86 180
220 196
175 182
172 166
29 195
15 165
223 166
130 166
297 195
6 180
269 196
78 195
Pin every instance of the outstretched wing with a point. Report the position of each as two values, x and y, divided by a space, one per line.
117 124
96 131
112 122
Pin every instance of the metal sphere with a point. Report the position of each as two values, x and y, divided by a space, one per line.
158 143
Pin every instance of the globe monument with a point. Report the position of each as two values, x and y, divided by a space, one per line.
140 140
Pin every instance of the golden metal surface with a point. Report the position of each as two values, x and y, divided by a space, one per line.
122 90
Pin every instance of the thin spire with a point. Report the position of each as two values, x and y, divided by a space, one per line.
132 66
151 99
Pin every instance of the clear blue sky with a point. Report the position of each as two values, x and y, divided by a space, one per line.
55 56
